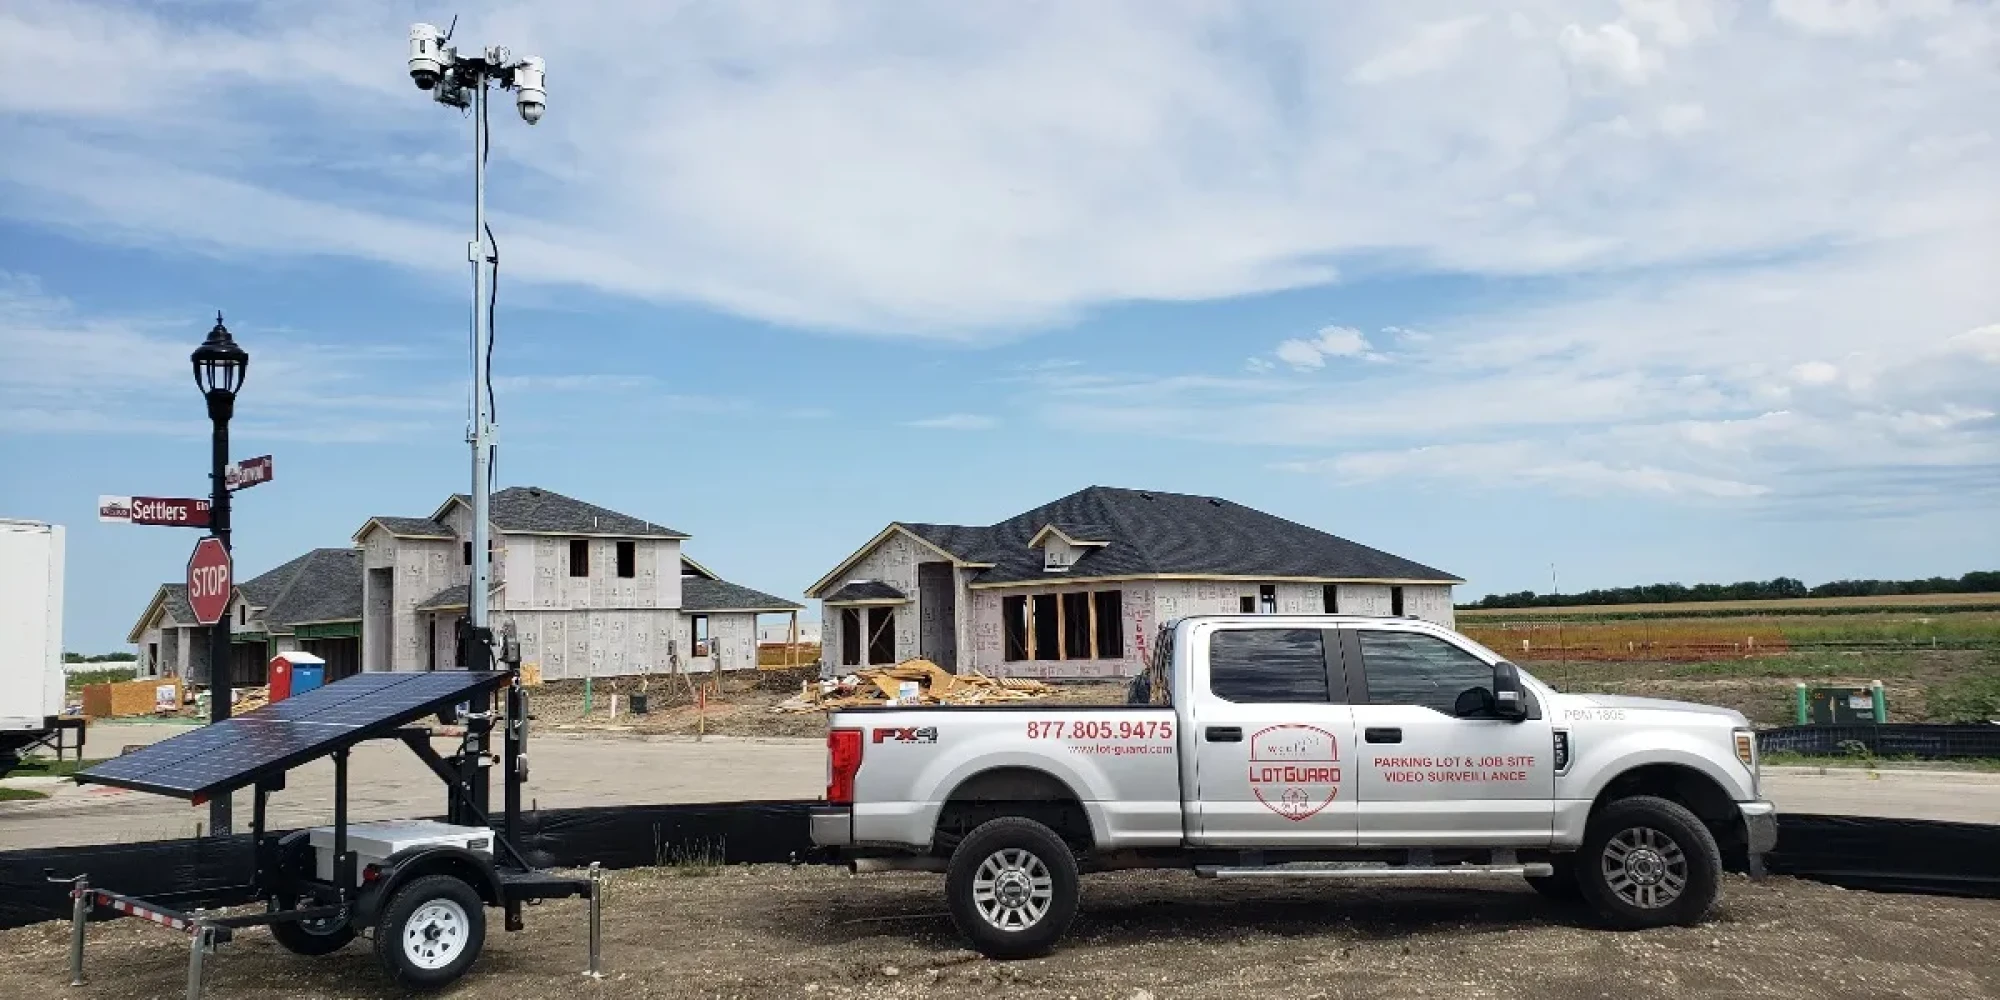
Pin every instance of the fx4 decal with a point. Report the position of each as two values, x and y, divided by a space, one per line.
907 734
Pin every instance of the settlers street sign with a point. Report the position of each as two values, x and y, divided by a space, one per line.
178 512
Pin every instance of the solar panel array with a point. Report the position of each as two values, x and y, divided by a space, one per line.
235 752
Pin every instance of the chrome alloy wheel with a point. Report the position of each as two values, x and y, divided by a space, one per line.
1645 868
1012 889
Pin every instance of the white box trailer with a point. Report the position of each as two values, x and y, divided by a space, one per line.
31 611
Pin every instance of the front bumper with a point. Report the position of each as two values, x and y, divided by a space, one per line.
831 826
1760 826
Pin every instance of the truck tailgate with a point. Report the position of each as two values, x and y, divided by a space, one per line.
1121 763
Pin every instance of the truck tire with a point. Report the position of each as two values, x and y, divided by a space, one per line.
1561 885
312 938
1648 862
1012 888
431 932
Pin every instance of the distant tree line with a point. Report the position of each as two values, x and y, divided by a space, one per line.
100 658
1979 582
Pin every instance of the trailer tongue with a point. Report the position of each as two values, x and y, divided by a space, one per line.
419 887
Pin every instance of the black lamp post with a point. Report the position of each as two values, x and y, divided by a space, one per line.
219 367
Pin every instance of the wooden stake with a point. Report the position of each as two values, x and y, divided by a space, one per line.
1062 630
1028 615
1092 602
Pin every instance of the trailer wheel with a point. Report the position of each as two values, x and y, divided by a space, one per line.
312 938
431 932
1012 888
1649 862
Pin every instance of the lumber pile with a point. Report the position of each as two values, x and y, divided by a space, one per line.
911 682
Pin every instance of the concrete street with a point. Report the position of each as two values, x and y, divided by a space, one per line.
386 781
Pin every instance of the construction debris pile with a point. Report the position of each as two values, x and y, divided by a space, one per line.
911 682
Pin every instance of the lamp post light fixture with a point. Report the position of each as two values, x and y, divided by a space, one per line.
219 369
462 81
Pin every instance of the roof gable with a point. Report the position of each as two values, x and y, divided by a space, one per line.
1148 533
536 511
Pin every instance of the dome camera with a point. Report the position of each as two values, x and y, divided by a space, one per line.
427 60
533 98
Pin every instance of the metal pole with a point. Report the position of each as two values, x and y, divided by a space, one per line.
478 653
199 938
596 970
221 406
79 915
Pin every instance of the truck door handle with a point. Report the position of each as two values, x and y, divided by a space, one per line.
1223 734
1382 734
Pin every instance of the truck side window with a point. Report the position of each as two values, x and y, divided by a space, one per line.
1266 666
1405 668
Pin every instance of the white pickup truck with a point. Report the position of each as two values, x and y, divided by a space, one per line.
1321 746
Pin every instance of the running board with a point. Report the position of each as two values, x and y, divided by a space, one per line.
1293 871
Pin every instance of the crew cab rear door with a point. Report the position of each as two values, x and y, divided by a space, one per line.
1427 777
1271 732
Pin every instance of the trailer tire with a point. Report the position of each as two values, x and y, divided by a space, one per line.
315 937
431 931
1012 888
1649 862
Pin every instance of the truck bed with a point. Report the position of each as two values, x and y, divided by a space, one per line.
1121 762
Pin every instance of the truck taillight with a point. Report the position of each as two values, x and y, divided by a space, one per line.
843 761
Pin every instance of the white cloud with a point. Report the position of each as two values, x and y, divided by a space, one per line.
1431 47
1329 342
1815 373
1854 17
949 172
1682 119
1610 50
956 422
1518 464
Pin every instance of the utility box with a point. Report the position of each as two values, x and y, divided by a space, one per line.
374 842
1842 706
31 626
295 673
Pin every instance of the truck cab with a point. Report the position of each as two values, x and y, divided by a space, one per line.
1310 746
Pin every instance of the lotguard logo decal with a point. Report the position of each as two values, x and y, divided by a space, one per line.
1294 769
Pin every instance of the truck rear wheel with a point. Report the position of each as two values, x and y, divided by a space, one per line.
1012 888
1649 862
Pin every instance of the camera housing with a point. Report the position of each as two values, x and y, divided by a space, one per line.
428 59
532 98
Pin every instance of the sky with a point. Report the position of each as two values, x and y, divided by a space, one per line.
1539 293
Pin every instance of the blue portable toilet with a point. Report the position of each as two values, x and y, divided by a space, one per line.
293 672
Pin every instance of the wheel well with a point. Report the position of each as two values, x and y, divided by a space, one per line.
1701 794
1012 791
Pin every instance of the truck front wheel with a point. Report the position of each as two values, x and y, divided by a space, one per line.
1649 862
1012 887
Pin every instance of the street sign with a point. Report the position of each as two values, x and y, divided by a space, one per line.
175 512
247 473
209 581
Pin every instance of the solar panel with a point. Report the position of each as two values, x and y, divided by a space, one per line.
234 753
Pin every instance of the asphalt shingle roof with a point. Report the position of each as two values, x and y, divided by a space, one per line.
866 590
177 606
323 585
455 596
531 508
1150 533
698 594
415 527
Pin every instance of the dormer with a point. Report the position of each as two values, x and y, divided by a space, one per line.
1064 544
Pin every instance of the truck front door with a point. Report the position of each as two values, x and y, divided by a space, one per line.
1273 737
1429 776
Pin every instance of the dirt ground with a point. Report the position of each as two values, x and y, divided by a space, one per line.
1762 688
776 932
743 708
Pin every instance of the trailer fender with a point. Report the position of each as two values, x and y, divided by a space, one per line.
397 870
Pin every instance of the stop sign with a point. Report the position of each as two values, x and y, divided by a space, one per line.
209 581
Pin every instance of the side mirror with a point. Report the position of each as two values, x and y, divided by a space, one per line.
1510 699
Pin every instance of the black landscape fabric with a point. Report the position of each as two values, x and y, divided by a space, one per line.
1888 855
1930 742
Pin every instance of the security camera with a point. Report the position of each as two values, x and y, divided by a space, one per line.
427 59
533 99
